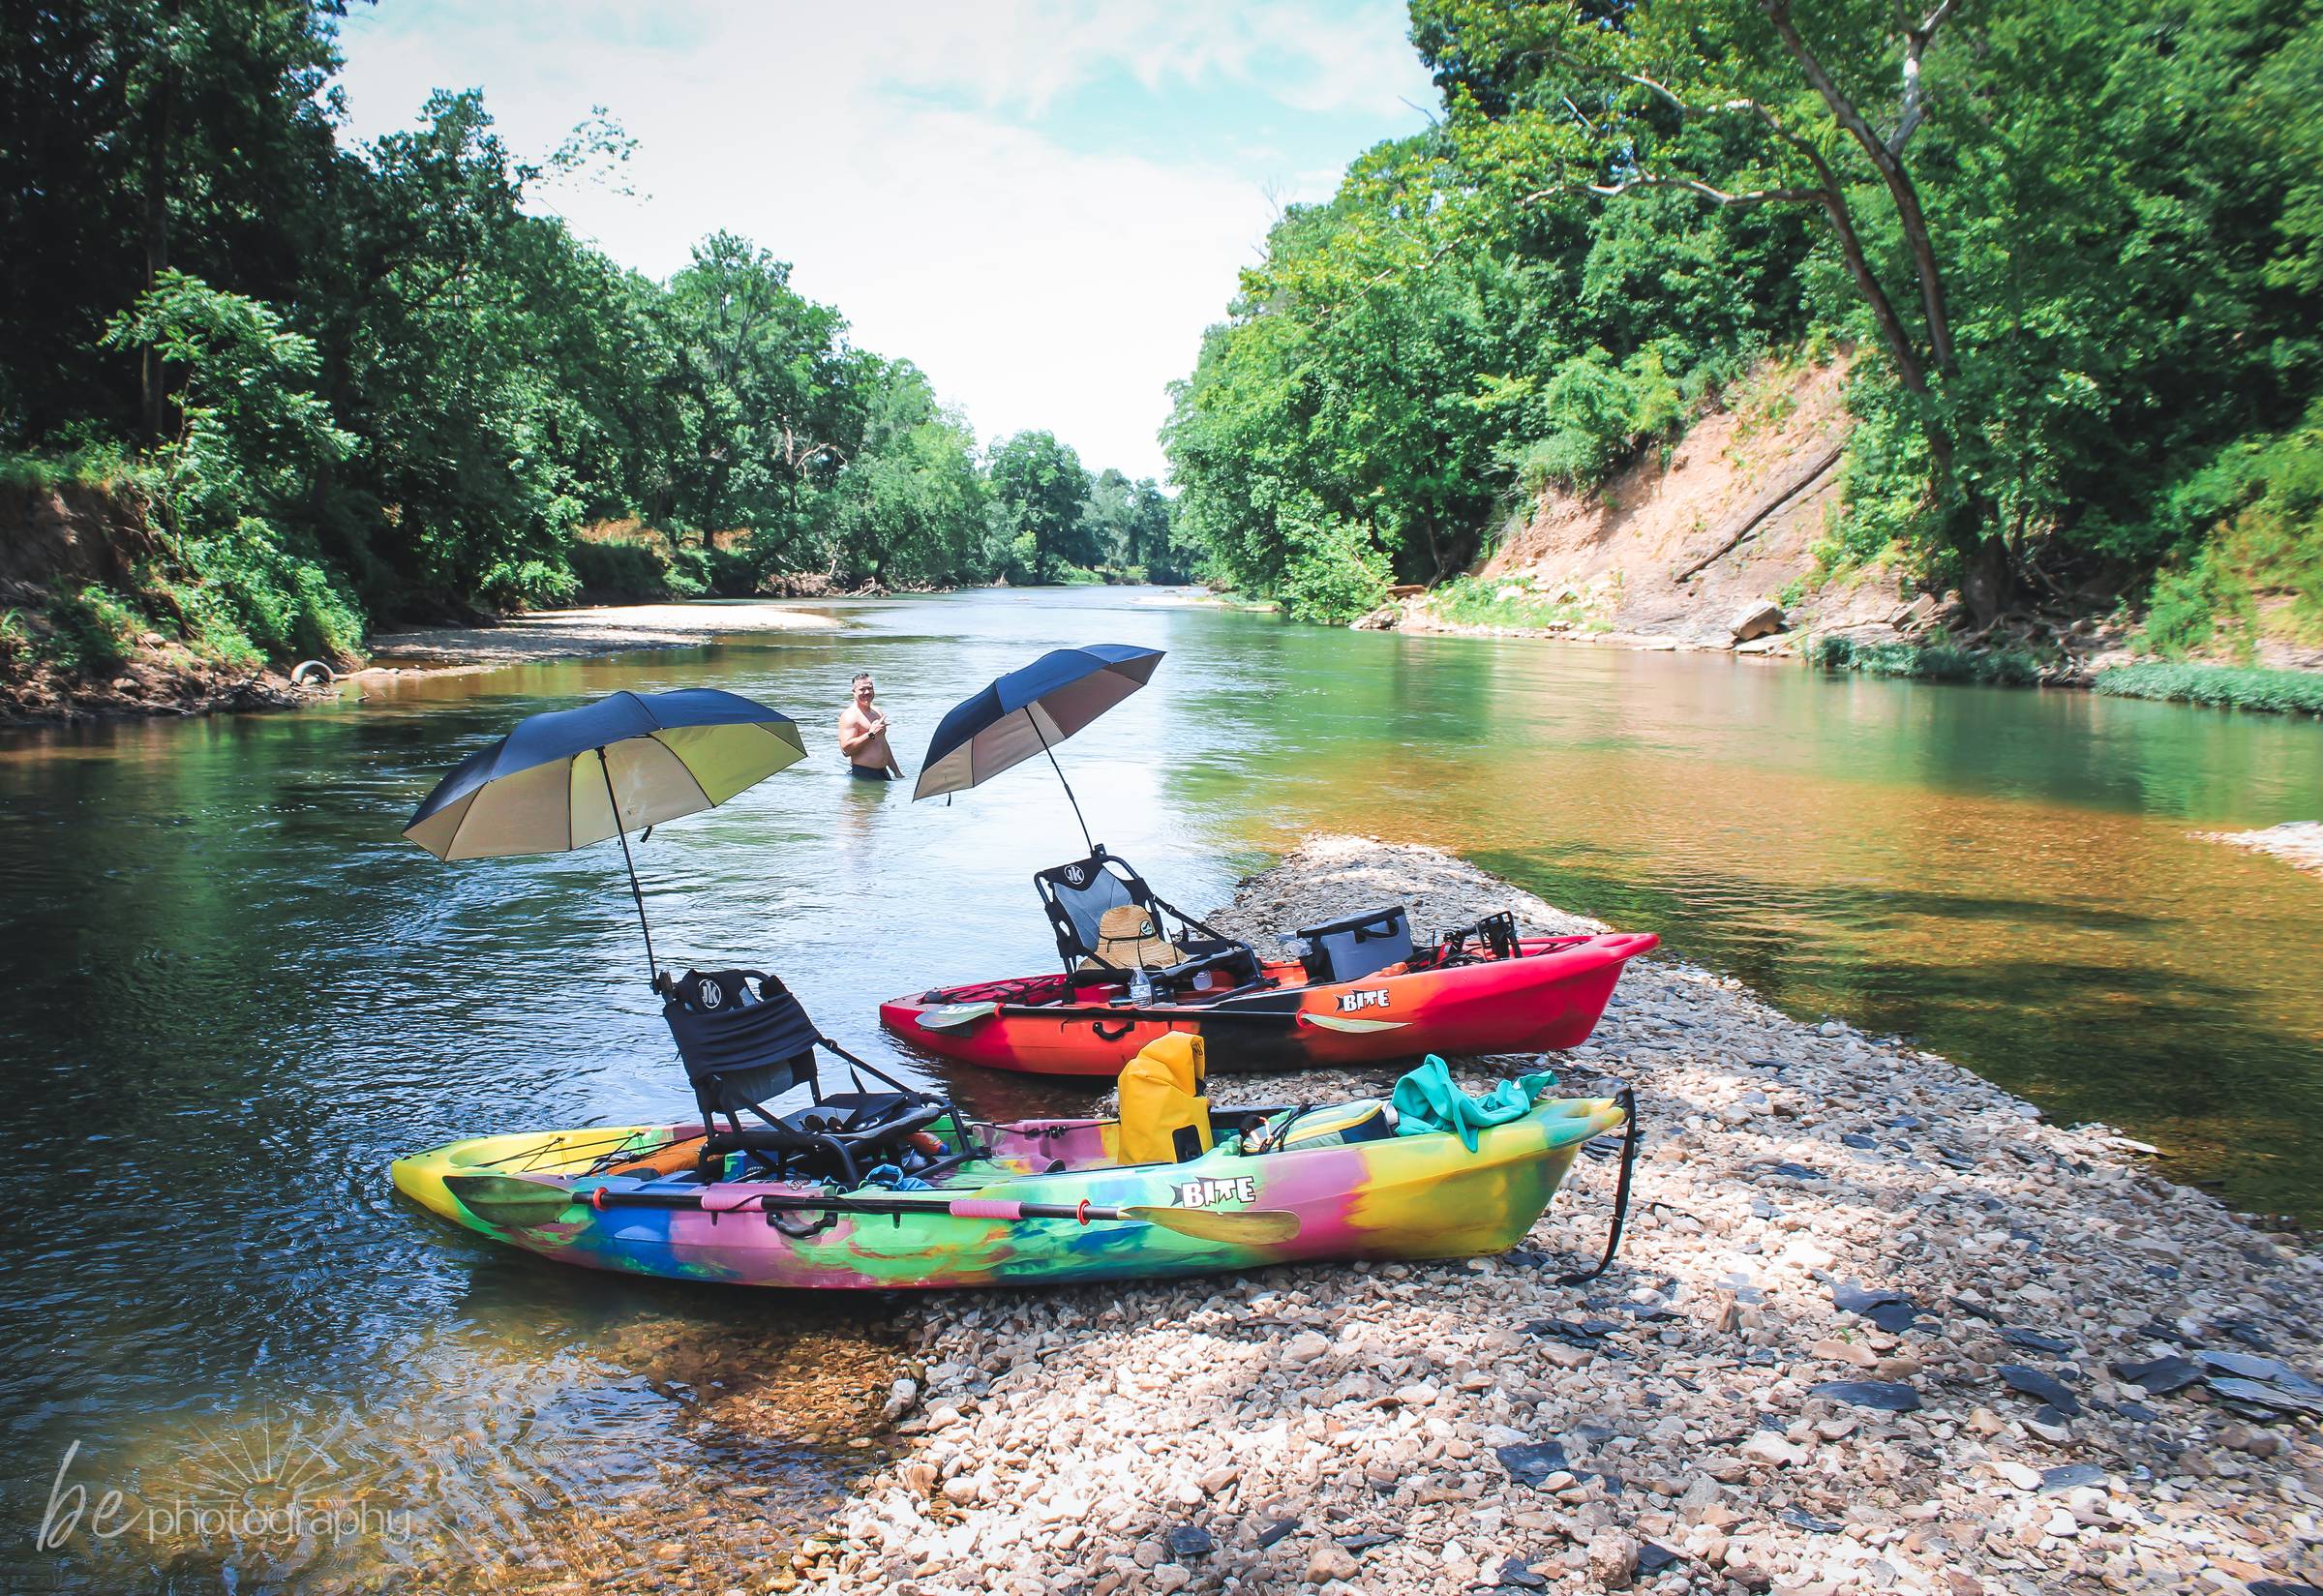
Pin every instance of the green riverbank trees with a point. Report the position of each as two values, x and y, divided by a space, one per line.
2081 246
375 379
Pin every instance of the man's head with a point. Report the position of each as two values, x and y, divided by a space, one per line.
864 689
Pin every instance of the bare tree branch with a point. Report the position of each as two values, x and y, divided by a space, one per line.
1650 180
1916 46
1890 168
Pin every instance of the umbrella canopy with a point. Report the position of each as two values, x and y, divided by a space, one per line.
551 784
570 777
1020 715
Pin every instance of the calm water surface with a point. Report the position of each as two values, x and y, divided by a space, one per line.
233 993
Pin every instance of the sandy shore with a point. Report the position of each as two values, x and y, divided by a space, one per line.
566 634
2298 843
1876 1327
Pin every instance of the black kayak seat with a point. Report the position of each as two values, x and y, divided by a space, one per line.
1076 896
745 1040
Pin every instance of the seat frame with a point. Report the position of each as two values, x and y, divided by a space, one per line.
740 1056
1211 950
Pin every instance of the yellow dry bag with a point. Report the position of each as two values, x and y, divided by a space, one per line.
1164 1117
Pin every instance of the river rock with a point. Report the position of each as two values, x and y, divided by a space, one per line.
1190 1541
2070 1476
1331 1561
2160 1376
1533 1464
2033 1341
2243 1365
1768 1447
1756 618
1305 1347
2032 1382
1885 1396
1613 1558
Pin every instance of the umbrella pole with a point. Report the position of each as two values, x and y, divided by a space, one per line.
1061 781
652 968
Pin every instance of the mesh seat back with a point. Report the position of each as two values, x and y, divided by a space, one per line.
1076 896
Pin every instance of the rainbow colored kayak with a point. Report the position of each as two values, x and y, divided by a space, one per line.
1039 1202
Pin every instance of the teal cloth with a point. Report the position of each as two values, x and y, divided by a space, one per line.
1426 1100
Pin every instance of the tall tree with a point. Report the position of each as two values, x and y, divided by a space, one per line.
1040 490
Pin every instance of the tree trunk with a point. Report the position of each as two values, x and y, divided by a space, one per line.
161 113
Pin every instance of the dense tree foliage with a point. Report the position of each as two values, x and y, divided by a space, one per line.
2081 246
1131 528
369 379
1039 496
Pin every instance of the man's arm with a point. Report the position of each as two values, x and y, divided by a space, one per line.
854 734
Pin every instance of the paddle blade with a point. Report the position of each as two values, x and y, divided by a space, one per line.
1247 1228
958 1017
507 1202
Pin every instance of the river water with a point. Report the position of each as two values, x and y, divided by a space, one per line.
233 994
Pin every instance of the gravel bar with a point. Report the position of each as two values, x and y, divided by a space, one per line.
1876 1327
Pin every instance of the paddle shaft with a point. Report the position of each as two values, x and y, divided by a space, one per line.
1248 1226
652 968
966 1208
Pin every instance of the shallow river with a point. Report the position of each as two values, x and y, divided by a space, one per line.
233 993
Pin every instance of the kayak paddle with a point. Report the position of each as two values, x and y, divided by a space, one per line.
514 1204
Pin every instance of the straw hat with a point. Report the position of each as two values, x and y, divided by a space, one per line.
1126 939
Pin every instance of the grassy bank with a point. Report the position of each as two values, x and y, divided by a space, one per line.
1930 662
2222 686
1520 602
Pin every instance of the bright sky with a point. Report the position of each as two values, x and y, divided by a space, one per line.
1041 203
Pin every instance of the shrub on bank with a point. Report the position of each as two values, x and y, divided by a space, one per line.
629 568
1494 601
1928 662
2224 688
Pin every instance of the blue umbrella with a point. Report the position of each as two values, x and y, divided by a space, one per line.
570 777
1027 711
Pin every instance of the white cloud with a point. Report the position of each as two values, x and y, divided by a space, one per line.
916 164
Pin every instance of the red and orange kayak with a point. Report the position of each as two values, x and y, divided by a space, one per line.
1542 993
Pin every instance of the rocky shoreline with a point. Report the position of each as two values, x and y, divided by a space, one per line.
581 633
2298 843
166 680
1876 1327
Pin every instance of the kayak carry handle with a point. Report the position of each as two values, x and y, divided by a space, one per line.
1628 1099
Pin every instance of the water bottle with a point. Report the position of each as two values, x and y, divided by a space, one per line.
1141 988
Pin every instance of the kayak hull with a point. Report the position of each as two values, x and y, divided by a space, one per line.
1548 996
1404 1197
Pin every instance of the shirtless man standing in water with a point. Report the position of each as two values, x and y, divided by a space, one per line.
864 736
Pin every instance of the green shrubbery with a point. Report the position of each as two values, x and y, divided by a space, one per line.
1592 416
1492 601
1928 661
2265 498
625 569
254 437
1335 572
2225 687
